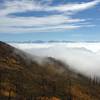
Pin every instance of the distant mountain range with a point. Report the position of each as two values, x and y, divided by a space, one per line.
52 41
26 77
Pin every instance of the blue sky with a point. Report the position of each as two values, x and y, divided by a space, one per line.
70 20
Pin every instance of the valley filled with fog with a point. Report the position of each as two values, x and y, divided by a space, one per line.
81 57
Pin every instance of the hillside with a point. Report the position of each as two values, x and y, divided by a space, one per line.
24 78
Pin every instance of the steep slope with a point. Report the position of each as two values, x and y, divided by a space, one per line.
23 78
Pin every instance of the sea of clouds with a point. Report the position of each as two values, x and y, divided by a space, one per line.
82 57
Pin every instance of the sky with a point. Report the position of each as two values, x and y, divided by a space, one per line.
30 20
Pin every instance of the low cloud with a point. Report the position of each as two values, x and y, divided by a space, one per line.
80 58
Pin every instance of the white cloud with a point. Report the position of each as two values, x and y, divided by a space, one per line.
38 21
46 23
79 58
74 7
38 24
32 5
19 6
15 30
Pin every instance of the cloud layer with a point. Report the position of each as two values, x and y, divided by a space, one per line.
80 56
59 18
